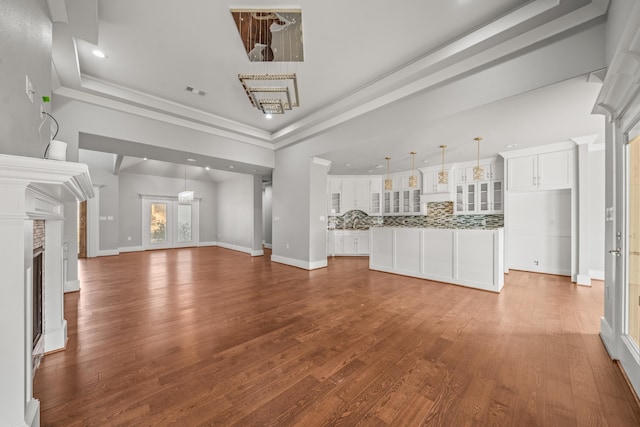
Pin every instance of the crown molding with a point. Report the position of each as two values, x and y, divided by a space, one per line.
155 115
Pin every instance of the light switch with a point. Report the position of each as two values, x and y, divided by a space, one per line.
109 218
103 218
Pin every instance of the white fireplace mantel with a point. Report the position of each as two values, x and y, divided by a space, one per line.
31 188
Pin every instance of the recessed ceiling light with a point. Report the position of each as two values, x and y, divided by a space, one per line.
191 160
268 116
370 170
207 167
231 166
511 145
347 164
425 161
378 166
145 159
100 54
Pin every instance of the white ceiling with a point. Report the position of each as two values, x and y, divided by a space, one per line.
359 56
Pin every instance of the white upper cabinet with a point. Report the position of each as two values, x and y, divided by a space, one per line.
403 200
430 183
334 196
545 171
375 205
358 192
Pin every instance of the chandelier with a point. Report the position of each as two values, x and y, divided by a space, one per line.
478 172
413 179
443 175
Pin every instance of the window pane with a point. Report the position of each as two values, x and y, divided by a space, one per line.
184 223
158 227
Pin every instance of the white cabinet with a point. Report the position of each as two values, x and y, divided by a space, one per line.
463 174
482 197
355 194
430 183
492 169
348 242
334 195
545 171
375 205
402 200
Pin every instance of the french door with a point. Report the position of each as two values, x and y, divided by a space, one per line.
169 224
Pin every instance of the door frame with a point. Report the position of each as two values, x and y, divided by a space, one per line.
172 210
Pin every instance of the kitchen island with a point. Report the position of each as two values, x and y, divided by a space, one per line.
467 257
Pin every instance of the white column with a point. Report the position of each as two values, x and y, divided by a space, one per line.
17 405
55 326
583 277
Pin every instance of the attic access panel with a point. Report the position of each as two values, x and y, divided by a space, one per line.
270 35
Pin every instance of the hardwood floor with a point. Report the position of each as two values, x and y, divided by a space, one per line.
210 336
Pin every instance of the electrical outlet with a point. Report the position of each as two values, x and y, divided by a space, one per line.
287 246
128 237
29 89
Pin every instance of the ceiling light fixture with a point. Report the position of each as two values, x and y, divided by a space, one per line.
511 145
271 93
191 160
268 116
185 196
478 172
207 167
388 183
98 53
145 158
413 179
443 175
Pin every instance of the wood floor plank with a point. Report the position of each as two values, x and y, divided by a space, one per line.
210 336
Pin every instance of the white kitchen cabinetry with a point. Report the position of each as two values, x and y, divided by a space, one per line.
545 171
465 198
375 206
402 200
348 242
355 194
490 195
334 196
430 183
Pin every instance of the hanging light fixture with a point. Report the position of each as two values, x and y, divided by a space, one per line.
185 196
413 179
478 172
443 175
388 183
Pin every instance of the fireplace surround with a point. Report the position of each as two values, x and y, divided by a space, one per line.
31 190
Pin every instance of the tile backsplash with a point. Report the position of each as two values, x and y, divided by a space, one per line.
439 215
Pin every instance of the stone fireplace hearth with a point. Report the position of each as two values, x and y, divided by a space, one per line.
32 191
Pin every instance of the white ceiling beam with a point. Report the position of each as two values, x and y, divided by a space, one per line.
117 162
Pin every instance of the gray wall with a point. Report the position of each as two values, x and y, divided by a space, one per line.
318 212
596 213
235 210
130 186
25 49
619 11
267 195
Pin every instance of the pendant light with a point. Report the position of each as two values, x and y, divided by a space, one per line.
478 172
388 183
413 179
185 196
443 175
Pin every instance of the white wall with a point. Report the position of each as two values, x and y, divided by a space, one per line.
130 205
267 195
596 213
235 212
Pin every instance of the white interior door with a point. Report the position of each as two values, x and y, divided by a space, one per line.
169 224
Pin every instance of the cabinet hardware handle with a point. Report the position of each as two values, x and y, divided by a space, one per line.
615 251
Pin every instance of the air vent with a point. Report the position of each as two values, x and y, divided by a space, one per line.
195 91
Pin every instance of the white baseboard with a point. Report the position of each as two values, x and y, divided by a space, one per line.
72 286
200 244
257 253
298 263
267 245
606 335
110 252
596 274
583 280
131 249
235 247
32 414
55 339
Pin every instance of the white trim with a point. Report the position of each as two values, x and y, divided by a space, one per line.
93 224
596 274
130 249
320 161
268 245
298 263
235 247
200 244
607 337
56 338
549 148
72 286
257 253
32 414
110 252
161 197
583 280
